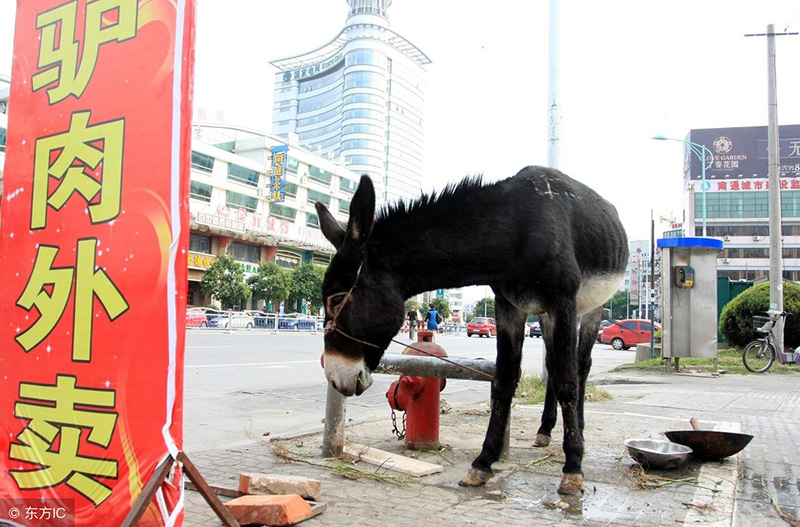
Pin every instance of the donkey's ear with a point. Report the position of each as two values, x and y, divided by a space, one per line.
331 228
362 212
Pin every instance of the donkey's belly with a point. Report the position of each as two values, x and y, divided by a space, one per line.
595 290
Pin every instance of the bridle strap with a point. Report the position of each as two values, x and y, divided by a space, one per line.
332 326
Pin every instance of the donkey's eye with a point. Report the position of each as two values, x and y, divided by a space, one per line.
333 302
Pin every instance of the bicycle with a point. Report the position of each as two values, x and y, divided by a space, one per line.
759 355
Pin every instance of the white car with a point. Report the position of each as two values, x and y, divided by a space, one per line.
236 319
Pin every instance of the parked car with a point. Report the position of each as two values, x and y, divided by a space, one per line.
627 333
483 326
236 320
535 330
603 325
297 321
196 318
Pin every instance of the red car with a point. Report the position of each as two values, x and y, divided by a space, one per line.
483 326
626 333
196 318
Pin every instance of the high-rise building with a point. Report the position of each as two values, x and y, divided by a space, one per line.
359 100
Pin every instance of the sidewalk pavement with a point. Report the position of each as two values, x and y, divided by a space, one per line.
753 488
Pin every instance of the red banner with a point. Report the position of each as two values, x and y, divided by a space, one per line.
93 259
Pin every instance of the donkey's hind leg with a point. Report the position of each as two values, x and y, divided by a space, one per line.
550 411
510 321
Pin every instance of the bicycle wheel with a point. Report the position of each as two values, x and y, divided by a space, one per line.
758 356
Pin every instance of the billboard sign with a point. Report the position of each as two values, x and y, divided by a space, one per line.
277 181
93 257
741 153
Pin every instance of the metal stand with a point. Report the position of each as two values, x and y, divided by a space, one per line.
158 477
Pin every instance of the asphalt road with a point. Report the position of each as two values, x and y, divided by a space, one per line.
243 385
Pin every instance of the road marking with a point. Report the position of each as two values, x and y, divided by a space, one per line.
252 364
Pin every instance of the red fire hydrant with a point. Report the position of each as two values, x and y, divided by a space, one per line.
419 398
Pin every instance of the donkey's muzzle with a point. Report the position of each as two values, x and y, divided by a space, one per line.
348 376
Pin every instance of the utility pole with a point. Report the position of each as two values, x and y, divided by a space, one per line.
774 161
553 111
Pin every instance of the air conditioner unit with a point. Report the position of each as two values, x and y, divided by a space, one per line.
727 238
725 261
756 237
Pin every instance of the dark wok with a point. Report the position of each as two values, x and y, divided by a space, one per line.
709 445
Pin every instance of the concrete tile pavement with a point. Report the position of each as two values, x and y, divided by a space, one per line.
736 491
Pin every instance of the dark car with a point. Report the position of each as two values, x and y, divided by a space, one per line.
535 330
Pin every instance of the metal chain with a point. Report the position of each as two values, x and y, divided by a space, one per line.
398 433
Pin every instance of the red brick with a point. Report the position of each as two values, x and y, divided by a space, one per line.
279 484
269 510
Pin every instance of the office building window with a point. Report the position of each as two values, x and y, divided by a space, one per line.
312 220
200 243
242 175
319 175
314 196
246 253
282 211
235 200
200 191
202 162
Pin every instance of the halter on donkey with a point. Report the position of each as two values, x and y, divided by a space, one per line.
544 242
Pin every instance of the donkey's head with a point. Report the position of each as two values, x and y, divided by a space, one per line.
363 307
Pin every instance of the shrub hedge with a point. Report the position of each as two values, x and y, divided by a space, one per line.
736 319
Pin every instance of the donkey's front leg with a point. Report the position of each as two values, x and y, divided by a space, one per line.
509 354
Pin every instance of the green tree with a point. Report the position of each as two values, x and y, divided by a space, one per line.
441 306
484 305
618 304
224 280
306 285
270 283
736 319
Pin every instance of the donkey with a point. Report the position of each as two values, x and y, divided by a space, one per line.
544 242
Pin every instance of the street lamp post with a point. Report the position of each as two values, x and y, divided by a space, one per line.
706 160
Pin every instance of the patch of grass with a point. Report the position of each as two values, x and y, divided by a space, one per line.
729 360
531 390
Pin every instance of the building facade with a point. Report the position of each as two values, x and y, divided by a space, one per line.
736 195
235 210
359 99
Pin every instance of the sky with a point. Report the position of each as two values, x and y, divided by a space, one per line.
629 70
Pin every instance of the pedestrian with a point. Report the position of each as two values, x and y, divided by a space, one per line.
433 318
413 319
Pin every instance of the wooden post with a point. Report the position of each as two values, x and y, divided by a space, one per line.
158 477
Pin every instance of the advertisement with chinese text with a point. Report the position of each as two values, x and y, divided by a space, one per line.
93 260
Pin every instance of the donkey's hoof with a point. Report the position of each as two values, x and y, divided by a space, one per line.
571 484
542 440
475 478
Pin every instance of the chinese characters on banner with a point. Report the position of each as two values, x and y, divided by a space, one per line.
277 182
93 256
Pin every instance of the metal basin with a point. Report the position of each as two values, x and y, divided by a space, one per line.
657 453
710 445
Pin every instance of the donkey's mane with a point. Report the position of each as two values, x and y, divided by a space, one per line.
401 211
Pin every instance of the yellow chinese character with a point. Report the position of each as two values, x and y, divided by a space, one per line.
279 158
278 171
52 414
90 282
106 21
78 147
